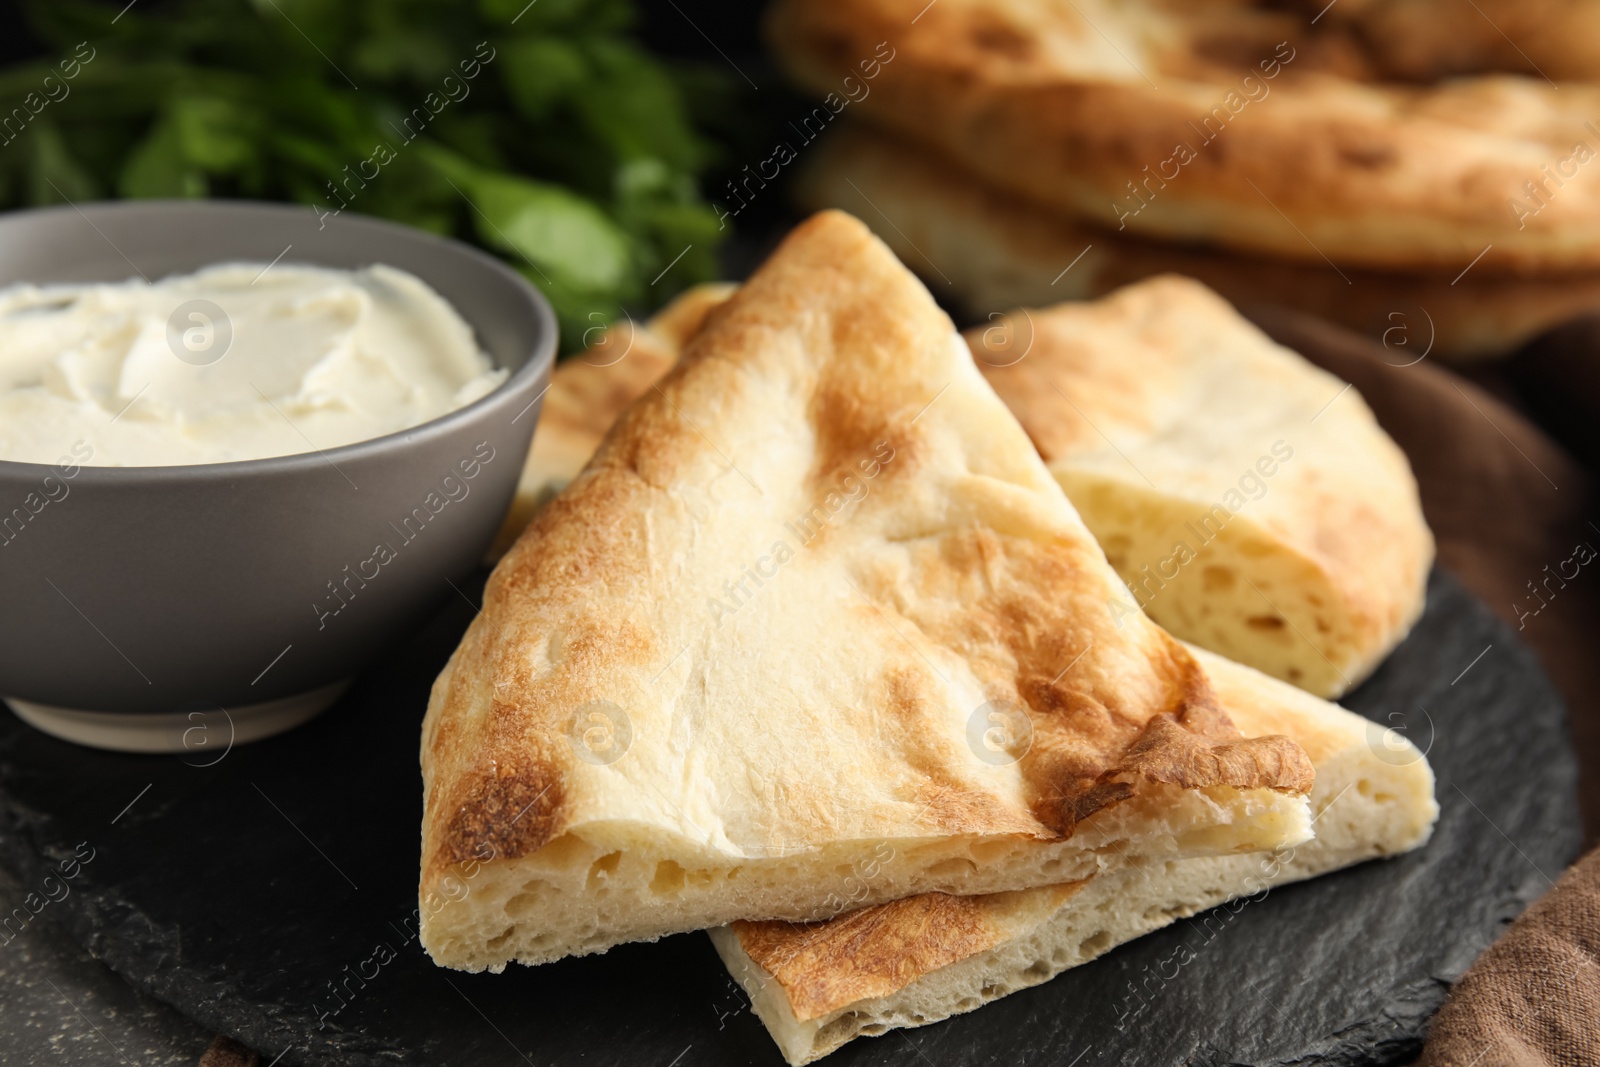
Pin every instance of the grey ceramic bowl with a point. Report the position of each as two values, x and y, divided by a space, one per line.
137 601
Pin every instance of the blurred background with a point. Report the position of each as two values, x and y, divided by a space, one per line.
580 146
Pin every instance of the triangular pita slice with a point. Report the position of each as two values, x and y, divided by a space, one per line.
814 629
1249 499
916 961
589 391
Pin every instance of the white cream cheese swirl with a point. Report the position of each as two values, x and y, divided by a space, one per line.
237 361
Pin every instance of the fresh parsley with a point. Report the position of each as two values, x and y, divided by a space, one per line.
542 130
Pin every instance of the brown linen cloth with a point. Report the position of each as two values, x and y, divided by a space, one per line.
1533 999
1506 503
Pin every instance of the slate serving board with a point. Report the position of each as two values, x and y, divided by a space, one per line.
243 885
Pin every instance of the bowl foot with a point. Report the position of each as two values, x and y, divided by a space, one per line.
206 733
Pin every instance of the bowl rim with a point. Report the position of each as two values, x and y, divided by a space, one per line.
540 360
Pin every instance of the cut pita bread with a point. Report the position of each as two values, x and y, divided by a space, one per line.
1163 414
990 251
591 390
916 961
1249 499
814 629
1235 124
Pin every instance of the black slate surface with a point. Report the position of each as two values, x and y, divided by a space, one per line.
244 885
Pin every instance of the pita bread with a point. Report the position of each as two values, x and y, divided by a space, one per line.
814 629
1235 124
1248 498
1157 406
916 961
1425 40
590 390
986 250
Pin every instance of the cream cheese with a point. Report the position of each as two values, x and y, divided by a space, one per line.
237 361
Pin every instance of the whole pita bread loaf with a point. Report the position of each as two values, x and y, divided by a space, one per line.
814 629
1237 124
916 961
1249 499
986 250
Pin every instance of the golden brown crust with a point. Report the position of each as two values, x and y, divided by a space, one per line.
963 566
686 315
1091 742
1192 395
495 772
1314 163
998 252
511 812
875 951
824 967
1425 40
1141 364
584 400
590 390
